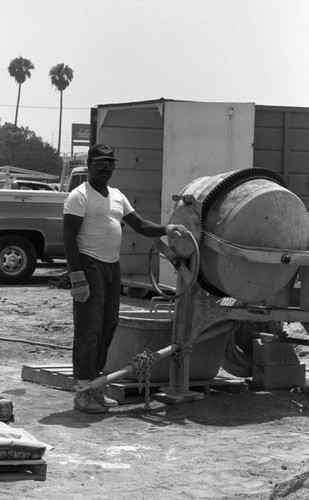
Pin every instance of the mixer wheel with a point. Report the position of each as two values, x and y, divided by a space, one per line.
188 273
238 353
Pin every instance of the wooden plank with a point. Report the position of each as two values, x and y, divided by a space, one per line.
21 470
223 384
55 366
226 385
44 376
68 371
131 384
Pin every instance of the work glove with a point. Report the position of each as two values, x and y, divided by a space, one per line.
80 288
179 229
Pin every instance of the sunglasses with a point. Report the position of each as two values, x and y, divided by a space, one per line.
106 164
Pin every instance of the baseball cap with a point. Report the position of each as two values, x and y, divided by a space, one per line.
101 152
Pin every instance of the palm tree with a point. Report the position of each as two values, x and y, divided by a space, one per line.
19 69
61 75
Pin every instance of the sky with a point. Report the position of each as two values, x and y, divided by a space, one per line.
135 50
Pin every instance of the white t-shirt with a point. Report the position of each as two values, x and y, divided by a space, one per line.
100 233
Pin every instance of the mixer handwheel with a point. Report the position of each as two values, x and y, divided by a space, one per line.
188 273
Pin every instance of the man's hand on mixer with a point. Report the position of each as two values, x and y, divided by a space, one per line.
177 229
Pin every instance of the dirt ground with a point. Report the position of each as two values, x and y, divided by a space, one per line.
227 446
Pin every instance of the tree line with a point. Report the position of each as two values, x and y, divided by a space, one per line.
60 75
20 147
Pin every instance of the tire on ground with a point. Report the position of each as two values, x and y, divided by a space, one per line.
17 259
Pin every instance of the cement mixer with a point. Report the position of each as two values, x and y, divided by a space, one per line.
242 270
252 233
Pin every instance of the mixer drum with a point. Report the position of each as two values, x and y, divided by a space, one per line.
251 207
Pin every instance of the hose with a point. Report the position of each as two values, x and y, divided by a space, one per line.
32 342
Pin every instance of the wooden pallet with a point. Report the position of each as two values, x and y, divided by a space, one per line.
61 377
21 470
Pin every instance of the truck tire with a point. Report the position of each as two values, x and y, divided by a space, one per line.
17 259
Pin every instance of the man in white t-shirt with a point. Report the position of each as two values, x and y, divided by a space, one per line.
92 218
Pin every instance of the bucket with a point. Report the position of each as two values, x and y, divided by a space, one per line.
252 208
140 330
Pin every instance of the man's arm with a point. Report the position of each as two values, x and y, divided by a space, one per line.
143 226
71 227
149 228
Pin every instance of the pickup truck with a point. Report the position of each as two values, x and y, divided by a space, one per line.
31 228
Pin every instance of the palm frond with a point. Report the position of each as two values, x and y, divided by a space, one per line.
20 69
61 76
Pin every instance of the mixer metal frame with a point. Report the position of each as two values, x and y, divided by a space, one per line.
198 314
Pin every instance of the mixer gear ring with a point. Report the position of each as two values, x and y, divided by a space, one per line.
237 178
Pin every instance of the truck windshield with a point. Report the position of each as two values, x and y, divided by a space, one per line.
77 180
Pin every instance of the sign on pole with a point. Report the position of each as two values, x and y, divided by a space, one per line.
80 135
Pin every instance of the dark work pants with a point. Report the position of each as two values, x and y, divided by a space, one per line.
95 320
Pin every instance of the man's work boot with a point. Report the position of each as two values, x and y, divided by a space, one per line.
102 399
85 403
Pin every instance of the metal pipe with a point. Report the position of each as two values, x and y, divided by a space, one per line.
272 337
100 382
